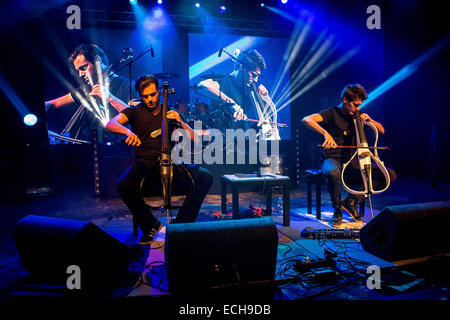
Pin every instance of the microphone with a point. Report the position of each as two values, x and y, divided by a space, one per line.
220 52
152 52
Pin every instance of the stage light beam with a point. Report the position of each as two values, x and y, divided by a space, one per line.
405 72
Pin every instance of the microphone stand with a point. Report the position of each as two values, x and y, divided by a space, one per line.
130 60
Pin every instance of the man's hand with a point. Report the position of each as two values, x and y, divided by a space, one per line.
262 90
365 117
238 113
132 139
329 141
172 114
99 91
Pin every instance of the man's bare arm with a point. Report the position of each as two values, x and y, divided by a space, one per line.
59 102
312 122
117 125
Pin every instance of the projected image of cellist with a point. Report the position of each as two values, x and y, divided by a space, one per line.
101 92
238 98
337 126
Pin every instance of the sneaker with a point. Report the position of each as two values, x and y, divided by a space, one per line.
148 238
336 220
349 205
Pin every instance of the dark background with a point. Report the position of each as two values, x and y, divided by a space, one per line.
408 111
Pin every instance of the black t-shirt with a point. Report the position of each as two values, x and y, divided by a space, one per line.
240 94
120 88
342 129
143 122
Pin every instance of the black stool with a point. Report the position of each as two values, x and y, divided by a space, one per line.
315 176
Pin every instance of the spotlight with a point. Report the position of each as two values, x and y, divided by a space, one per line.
157 13
133 2
262 4
222 9
30 119
284 1
160 1
197 4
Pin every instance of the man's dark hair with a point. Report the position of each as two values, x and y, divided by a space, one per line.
90 52
252 59
144 81
354 92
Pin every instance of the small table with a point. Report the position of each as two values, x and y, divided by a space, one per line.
264 181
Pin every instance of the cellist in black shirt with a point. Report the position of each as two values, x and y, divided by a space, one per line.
145 134
337 128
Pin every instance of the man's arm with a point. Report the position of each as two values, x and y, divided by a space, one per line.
211 89
172 114
117 125
59 102
101 91
312 122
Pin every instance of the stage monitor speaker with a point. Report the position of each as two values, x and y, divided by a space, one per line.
408 231
48 246
204 255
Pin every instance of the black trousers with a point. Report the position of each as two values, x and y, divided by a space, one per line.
332 169
192 181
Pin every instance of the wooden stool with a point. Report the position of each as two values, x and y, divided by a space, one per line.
315 176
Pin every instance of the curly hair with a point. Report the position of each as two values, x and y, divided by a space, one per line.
90 52
251 58
354 92
144 81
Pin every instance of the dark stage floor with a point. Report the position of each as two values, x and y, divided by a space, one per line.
113 217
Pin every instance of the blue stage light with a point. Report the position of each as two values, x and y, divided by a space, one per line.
262 4
284 1
160 1
222 9
133 2
197 4
30 119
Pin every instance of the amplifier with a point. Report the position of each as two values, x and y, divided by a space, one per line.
311 233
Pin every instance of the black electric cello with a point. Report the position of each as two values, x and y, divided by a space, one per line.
166 163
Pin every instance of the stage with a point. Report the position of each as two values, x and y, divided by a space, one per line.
145 277
301 98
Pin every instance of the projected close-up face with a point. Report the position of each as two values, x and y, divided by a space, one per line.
85 69
252 76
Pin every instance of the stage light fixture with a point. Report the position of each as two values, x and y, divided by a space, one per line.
197 4
159 1
262 4
284 1
222 9
133 2
30 119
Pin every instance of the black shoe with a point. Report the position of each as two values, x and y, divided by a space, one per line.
349 205
336 220
148 238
